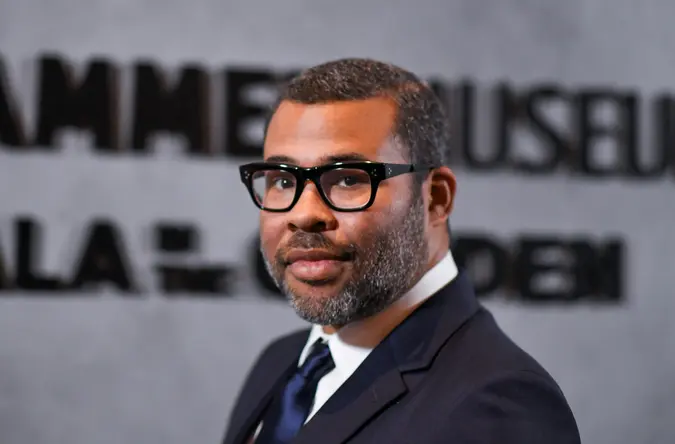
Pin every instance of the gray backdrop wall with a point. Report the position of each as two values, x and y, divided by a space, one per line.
101 365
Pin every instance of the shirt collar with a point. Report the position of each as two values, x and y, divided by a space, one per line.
348 357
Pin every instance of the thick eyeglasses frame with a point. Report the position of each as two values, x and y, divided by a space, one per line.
377 171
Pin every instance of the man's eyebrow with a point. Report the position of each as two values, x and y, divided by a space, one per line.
346 157
280 159
333 158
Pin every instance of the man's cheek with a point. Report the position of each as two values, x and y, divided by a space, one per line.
358 228
268 246
367 241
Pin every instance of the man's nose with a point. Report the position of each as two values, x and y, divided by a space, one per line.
311 213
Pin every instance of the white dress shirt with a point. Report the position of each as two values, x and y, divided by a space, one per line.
352 344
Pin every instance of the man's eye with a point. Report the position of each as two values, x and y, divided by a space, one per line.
348 181
282 183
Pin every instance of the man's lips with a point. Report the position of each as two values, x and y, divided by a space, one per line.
315 265
313 256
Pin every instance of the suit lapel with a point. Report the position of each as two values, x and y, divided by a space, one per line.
274 372
417 341
258 406
379 382
374 386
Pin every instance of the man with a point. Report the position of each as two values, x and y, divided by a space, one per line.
355 197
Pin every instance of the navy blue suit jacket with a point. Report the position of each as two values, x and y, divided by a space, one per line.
447 374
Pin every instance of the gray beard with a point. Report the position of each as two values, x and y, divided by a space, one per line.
383 273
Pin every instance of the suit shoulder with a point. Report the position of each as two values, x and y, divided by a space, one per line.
516 407
490 383
481 352
273 358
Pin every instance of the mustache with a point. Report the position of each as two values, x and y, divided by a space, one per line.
313 241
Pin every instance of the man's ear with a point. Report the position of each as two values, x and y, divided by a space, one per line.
442 187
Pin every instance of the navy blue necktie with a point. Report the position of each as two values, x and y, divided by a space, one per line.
288 413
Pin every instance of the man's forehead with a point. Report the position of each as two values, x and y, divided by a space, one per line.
319 133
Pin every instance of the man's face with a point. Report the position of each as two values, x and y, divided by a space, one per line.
374 255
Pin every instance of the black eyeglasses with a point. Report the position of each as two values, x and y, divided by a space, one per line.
344 186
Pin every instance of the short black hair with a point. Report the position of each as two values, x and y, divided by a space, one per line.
421 123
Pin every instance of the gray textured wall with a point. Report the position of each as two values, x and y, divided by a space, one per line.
112 370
